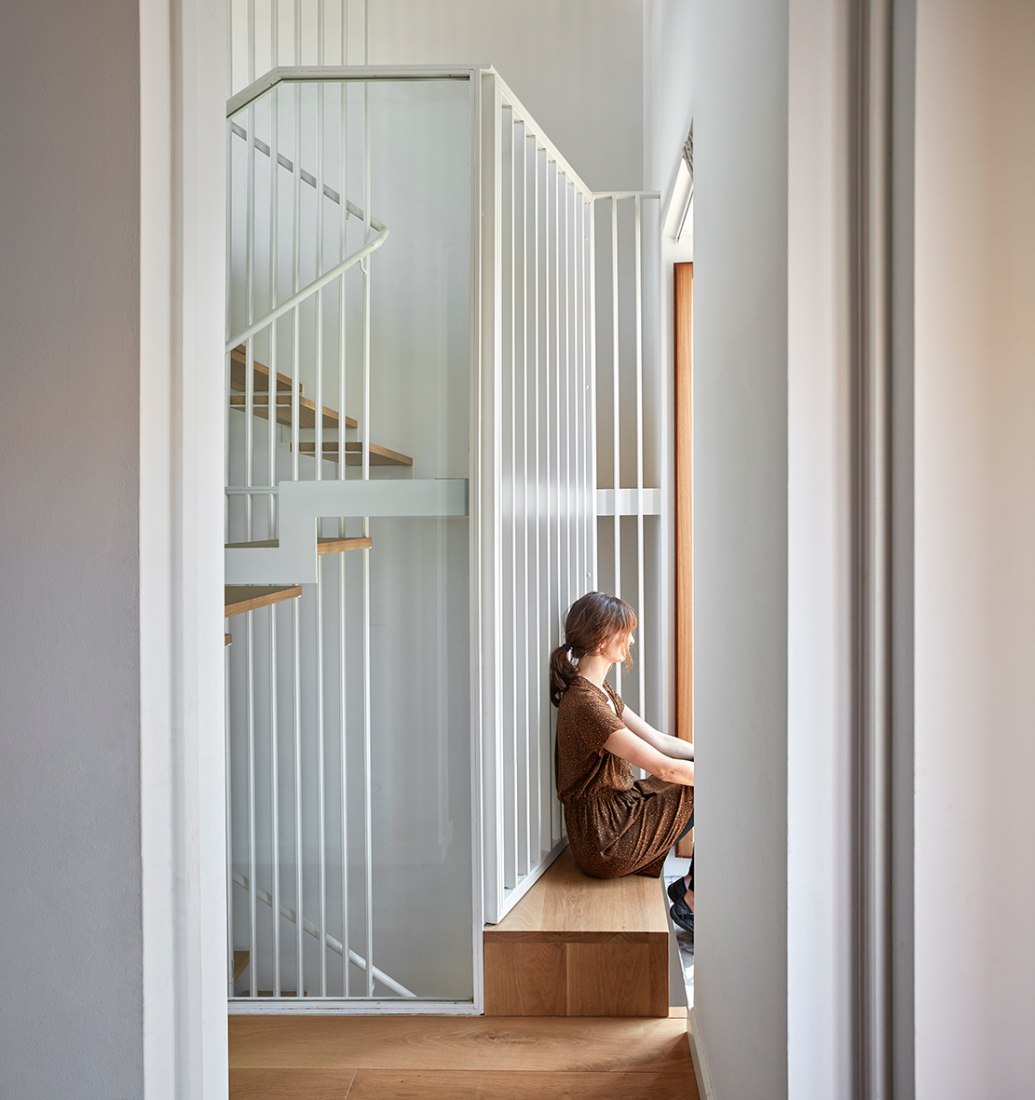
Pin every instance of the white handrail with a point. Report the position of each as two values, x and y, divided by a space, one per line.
308 291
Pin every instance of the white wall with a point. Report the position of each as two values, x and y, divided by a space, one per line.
740 585
819 428
69 664
575 65
667 112
975 544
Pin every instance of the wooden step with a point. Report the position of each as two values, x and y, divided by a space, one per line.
228 639
247 597
379 456
260 374
306 410
240 963
323 545
579 946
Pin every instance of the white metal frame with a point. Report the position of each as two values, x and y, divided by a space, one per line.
301 503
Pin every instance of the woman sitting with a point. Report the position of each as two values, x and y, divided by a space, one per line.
616 826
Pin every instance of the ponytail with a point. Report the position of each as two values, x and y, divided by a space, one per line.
562 672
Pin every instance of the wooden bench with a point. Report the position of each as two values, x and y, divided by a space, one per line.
579 946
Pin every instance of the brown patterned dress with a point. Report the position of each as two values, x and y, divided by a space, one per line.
615 826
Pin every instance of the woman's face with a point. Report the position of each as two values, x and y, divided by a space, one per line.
618 648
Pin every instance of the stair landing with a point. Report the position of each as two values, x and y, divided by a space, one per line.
579 946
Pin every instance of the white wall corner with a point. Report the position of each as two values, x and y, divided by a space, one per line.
705 1083
182 195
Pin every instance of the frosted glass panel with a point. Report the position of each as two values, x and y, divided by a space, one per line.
349 708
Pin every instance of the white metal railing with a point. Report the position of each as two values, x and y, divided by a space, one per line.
538 514
634 435
557 348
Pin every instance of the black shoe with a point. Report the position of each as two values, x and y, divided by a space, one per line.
682 916
677 890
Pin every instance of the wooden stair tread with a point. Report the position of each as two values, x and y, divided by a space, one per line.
240 963
260 389
261 379
247 597
227 639
567 905
323 545
306 410
379 455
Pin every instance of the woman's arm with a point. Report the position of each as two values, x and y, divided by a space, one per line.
626 744
675 747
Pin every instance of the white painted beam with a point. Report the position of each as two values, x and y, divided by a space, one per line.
302 503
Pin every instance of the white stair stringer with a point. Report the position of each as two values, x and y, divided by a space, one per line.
302 503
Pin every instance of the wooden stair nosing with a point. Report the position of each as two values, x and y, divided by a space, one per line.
379 455
239 598
306 410
324 546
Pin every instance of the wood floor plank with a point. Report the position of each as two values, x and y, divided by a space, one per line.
521 1085
290 1084
441 1043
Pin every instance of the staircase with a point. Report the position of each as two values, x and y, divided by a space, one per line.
579 946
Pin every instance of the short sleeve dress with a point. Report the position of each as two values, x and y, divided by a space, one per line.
616 826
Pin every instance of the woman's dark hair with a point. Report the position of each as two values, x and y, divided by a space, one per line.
592 621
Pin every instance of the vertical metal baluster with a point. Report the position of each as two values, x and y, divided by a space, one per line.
252 887
296 648
227 516
342 470
229 830
641 610
321 748
367 783
511 627
271 419
559 443
615 427
594 472
296 259
541 647
569 427
249 411
251 47
296 633
574 491
551 610
532 658
298 62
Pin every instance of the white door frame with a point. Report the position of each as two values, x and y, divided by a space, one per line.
183 61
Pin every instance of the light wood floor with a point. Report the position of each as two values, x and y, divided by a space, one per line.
459 1058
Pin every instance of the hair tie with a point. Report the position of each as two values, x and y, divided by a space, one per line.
567 647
